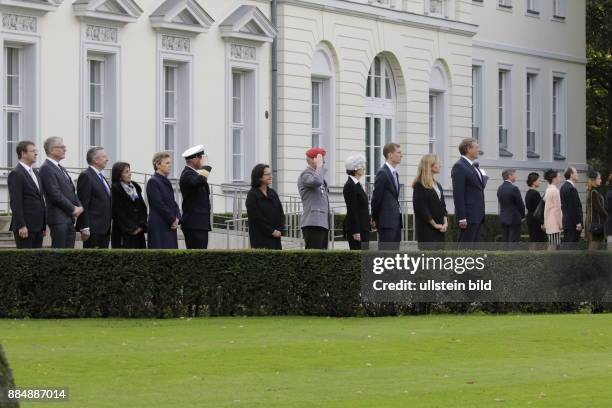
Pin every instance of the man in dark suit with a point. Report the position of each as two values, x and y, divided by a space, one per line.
63 205
357 220
196 198
26 199
571 207
94 193
511 207
386 215
469 182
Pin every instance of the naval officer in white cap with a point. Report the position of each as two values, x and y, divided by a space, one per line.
196 198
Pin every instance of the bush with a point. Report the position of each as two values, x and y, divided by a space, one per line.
148 283
6 381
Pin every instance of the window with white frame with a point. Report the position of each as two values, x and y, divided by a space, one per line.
238 172
477 103
558 113
317 96
19 95
169 120
380 80
559 9
532 7
100 103
378 132
503 107
531 116
322 106
95 111
380 114
432 123
175 107
13 102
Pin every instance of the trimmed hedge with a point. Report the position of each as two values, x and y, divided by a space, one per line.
148 283
6 381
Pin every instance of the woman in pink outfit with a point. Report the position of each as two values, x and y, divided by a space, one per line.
553 217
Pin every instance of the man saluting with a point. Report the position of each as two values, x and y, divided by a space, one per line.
196 198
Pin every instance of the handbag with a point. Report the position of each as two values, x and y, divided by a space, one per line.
538 214
596 228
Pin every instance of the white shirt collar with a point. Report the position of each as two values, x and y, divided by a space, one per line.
25 166
393 170
469 161
98 172
509 182
570 181
53 161
191 168
354 179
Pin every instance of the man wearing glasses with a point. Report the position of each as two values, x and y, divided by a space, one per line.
63 205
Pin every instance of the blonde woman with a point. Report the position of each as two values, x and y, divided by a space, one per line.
553 217
431 220
596 214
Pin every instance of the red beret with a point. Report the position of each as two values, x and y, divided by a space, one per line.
312 153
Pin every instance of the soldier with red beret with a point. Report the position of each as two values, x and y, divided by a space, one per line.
315 200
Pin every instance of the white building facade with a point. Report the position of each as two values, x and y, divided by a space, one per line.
139 76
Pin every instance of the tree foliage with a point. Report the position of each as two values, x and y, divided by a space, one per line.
599 84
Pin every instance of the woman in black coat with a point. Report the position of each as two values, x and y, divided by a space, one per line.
532 199
357 221
129 209
265 211
164 213
430 213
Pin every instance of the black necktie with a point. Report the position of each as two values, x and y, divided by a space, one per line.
396 181
65 172
477 167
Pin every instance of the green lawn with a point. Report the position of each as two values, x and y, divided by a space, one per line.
422 361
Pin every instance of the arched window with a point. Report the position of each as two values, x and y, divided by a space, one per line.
322 105
438 116
380 114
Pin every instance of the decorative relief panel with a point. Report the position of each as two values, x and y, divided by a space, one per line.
173 43
103 34
19 23
244 52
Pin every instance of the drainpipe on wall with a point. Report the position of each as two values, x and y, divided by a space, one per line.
274 107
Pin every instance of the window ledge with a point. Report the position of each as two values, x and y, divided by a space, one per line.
557 156
558 19
533 155
502 7
504 153
532 13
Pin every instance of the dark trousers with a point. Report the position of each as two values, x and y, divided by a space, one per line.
357 245
470 234
389 238
34 240
97 241
195 239
62 235
571 237
511 233
315 237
